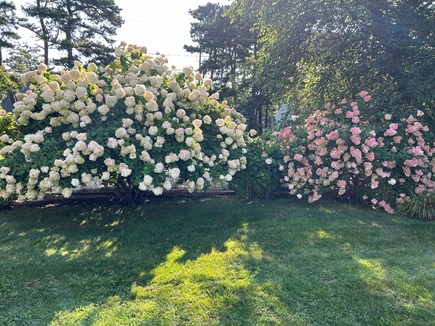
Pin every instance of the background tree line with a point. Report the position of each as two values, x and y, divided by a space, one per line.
308 52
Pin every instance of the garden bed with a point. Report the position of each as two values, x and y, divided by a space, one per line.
104 194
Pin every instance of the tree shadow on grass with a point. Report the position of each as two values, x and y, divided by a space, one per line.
214 288
216 262
59 258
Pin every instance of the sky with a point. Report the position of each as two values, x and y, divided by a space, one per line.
160 25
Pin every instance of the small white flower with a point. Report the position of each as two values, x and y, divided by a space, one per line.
157 191
125 172
103 109
191 168
189 141
220 122
139 90
167 184
148 96
299 196
112 142
81 136
197 123
198 137
67 192
121 132
159 168
152 106
268 161
207 120
153 130
392 182
147 180
174 173
130 101
105 176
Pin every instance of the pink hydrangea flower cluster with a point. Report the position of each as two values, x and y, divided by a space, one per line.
335 151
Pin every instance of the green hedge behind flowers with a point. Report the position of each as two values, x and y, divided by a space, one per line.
262 176
8 126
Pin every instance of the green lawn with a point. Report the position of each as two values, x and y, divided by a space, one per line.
215 262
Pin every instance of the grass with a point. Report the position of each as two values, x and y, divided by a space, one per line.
215 262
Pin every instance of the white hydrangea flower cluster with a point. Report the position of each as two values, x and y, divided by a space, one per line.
134 120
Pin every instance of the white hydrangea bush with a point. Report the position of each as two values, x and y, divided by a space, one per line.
135 123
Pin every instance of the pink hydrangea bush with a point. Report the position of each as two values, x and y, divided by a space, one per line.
135 123
335 151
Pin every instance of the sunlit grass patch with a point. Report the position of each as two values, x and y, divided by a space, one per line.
217 262
208 290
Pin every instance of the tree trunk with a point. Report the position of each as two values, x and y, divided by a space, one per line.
260 119
200 57
254 101
68 36
70 55
46 52
45 35
266 124
126 192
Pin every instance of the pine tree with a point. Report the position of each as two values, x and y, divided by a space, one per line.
42 11
8 24
81 28
228 50
221 45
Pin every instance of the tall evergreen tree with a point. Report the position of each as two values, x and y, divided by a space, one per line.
228 50
87 26
77 27
8 24
220 44
42 11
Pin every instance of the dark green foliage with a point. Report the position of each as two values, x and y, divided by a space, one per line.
4 204
8 25
9 84
316 51
420 207
262 176
8 125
